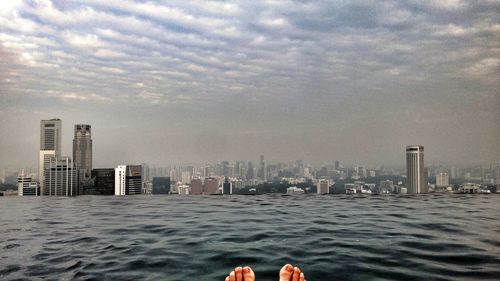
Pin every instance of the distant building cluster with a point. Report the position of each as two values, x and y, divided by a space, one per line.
74 175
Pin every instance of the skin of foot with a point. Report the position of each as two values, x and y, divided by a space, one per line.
290 273
241 274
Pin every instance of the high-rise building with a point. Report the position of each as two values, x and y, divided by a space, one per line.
442 179
82 153
211 186
227 187
128 180
161 185
103 182
44 158
26 186
50 135
415 169
323 186
60 177
50 146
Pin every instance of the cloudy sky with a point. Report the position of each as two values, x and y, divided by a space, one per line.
195 81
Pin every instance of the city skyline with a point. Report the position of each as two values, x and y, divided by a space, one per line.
190 82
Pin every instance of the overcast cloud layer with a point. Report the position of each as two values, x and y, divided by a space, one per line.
200 81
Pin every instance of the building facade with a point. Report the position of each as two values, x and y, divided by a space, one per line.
227 187
415 170
61 177
161 185
103 182
196 186
128 180
44 160
211 185
26 186
442 180
323 186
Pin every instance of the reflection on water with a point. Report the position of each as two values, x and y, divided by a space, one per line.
335 237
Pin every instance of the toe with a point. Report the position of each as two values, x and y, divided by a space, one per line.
302 277
296 274
227 278
232 276
239 273
286 272
248 274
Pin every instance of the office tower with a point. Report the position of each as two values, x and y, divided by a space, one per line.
26 186
61 177
161 185
50 135
415 169
442 179
82 153
337 165
103 182
196 186
128 179
50 145
211 186
323 187
227 187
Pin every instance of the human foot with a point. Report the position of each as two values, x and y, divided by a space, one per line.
241 274
290 273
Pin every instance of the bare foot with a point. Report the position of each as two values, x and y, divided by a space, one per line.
241 274
290 273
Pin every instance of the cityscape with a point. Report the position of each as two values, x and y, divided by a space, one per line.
74 175
232 140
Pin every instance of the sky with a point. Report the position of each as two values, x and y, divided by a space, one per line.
166 82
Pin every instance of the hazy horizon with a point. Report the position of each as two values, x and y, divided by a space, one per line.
203 81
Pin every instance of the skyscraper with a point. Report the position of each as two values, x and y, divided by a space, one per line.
50 135
442 179
50 146
415 169
61 177
103 182
82 153
128 180
263 168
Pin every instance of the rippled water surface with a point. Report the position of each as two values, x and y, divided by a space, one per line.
335 237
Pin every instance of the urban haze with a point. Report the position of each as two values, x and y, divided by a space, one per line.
170 82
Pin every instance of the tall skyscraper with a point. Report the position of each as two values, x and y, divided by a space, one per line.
61 177
250 174
50 135
50 146
82 153
128 180
323 186
415 169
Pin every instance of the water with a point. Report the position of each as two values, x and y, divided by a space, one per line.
336 237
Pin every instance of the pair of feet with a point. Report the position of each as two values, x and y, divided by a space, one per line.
287 273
